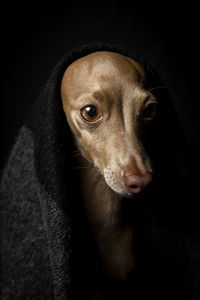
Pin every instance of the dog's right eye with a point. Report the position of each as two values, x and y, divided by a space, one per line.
90 113
149 111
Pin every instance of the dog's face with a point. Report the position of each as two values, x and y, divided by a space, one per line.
108 109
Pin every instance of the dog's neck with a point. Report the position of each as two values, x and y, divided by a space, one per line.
112 235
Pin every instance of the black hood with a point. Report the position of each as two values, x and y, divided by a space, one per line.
47 251
48 120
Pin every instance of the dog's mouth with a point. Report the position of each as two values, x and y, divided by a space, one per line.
141 194
128 185
135 196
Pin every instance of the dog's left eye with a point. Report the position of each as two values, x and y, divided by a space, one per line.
90 113
149 111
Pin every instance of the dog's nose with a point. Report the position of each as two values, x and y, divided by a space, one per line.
134 183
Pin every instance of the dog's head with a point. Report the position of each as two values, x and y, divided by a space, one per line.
109 109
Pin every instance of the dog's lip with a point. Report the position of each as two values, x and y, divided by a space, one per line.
131 195
138 195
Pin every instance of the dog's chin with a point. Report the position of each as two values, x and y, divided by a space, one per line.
133 196
126 194
130 195
123 193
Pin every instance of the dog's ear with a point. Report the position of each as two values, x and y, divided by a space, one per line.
172 159
167 140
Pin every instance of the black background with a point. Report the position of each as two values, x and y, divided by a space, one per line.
34 38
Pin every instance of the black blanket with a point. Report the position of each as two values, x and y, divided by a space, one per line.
46 248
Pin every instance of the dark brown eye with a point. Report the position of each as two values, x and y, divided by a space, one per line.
149 111
90 113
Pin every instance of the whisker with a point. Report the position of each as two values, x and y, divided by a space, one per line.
77 153
155 88
79 168
76 150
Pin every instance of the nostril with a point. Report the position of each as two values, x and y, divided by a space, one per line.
133 186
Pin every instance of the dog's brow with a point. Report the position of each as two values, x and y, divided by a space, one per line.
97 94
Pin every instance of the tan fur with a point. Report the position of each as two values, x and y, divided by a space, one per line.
115 85
102 208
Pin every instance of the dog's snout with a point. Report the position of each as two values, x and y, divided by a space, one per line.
134 183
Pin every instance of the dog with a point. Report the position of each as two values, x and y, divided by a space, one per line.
108 109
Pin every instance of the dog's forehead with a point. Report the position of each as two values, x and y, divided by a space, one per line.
101 69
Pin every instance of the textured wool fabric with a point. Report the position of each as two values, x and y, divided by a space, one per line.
46 248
